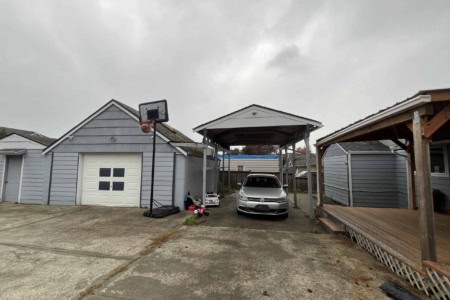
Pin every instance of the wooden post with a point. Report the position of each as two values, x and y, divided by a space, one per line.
320 176
229 170
294 183
424 193
205 165
223 169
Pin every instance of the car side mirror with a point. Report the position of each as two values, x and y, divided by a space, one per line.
239 184
285 186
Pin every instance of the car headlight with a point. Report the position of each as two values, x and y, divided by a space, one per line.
281 199
243 198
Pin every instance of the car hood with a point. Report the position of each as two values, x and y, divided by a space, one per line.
257 192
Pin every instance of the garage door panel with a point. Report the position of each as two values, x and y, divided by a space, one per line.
126 191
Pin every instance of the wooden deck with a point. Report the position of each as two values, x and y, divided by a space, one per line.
396 231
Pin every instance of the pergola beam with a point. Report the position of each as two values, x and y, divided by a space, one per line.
438 120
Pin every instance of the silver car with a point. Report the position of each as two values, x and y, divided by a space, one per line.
262 194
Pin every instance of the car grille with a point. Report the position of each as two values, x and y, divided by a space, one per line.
259 199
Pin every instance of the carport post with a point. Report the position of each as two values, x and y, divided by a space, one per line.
308 174
286 169
294 179
205 150
229 172
223 169
280 164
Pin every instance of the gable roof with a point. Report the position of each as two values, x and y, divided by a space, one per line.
364 146
31 135
164 131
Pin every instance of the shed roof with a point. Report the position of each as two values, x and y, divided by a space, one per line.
364 146
257 125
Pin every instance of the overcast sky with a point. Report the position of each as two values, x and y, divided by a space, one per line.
332 61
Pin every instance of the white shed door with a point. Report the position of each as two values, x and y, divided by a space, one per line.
111 180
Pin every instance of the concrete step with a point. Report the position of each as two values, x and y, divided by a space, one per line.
331 226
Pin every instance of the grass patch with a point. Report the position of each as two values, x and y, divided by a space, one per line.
190 221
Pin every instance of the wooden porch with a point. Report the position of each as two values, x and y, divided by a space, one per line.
393 236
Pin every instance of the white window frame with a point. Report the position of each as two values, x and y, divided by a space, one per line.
446 172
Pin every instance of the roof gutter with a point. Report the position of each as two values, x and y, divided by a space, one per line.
421 99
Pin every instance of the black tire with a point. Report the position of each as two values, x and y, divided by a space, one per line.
239 212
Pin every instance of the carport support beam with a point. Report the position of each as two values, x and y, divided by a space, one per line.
229 171
294 179
280 164
286 169
308 174
205 153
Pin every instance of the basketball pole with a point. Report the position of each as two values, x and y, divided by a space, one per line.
153 170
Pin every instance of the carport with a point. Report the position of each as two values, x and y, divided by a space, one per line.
259 125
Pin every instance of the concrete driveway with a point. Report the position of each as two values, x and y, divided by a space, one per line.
49 252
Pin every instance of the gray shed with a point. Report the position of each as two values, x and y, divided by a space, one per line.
106 160
23 169
365 174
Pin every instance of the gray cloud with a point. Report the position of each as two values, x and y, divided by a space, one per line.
331 61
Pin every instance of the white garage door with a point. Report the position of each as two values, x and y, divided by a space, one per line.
111 180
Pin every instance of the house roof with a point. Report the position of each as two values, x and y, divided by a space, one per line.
257 125
164 130
250 156
423 96
31 135
364 146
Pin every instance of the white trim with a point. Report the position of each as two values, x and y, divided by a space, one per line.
421 99
21 179
79 179
446 171
71 132
3 179
350 179
234 114
345 151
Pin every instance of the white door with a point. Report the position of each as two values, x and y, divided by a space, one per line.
12 178
111 180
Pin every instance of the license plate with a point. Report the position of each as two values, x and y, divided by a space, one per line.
262 207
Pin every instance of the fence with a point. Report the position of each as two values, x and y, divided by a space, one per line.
239 176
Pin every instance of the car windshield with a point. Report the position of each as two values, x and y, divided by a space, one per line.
262 182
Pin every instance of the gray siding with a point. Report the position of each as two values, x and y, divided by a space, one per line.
163 178
336 178
334 150
378 180
180 180
64 179
194 176
111 131
35 178
2 170
401 169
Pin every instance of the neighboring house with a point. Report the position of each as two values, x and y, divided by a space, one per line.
23 169
366 174
251 163
106 160
268 163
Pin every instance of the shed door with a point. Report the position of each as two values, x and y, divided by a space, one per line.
111 180
12 178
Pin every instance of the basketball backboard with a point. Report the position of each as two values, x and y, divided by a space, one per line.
155 110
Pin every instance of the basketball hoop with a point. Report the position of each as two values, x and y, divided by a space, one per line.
147 126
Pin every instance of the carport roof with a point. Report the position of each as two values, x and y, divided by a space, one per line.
257 125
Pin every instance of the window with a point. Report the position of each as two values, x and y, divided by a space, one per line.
103 186
105 172
119 172
439 160
240 168
262 182
118 186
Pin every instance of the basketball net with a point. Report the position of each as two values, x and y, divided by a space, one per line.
146 126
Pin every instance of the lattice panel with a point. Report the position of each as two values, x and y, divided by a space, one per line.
433 285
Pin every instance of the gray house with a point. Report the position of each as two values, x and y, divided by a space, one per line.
365 174
23 170
106 160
